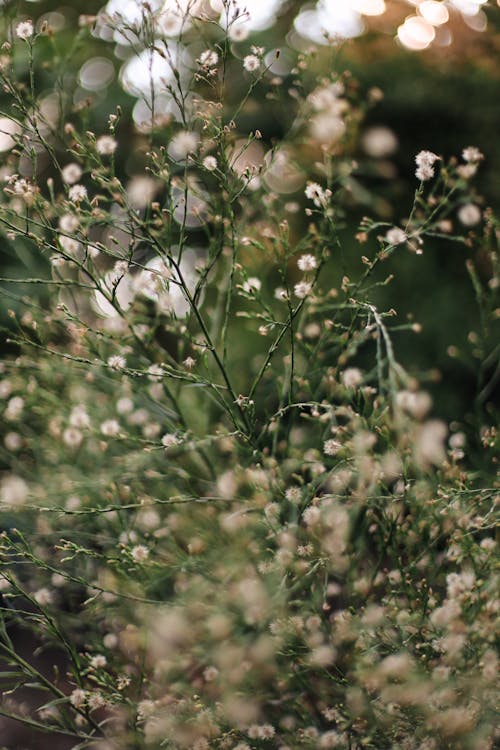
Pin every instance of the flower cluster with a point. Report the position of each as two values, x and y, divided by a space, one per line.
227 509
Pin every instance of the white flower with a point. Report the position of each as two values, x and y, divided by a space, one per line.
72 437
352 377
13 441
280 294
43 596
155 373
189 363
307 263
396 236
79 417
472 154
98 661
13 491
69 245
311 516
106 145
317 195
110 428
210 163
252 285
424 173
77 193
208 58
302 289
139 553
24 30
117 362
24 189
185 142
294 495
124 405
169 440
68 223
469 214
331 447
251 63
78 698
467 170
96 700
71 173
426 159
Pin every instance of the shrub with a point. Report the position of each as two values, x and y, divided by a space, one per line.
229 515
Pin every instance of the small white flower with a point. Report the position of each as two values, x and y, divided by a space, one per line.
13 441
106 145
424 173
98 661
189 363
466 171
352 377
302 289
469 214
78 698
251 63
139 553
24 30
317 195
210 163
24 189
396 236
183 143
208 58
77 193
169 440
307 263
43 597
472 155
311 516
71 173
79 417
155 373
294 495
95 701
426 158
110 428
72 437
331 447
425 161
117 362
13 491
252 285
69 245
68 223
280 294
124 405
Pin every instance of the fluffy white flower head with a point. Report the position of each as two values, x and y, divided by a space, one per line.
396 236
251 63
307 263
77 193
24 30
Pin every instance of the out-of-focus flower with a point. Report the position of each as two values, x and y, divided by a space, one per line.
396 236
469 214
24 30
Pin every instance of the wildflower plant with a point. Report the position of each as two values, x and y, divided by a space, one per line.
228 512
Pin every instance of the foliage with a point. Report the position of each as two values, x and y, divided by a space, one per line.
228 510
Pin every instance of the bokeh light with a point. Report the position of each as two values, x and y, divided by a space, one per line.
8 129
434 12
416 33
